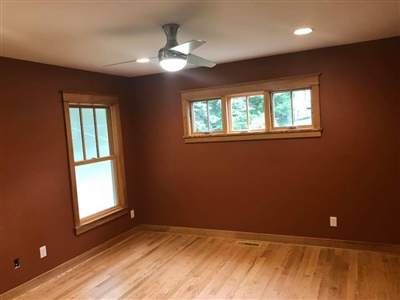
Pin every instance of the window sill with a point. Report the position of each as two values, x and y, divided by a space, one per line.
97 220
248 136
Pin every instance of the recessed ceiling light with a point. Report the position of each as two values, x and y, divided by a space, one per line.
143 60
303 31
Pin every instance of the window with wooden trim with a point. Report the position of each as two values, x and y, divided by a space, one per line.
95 158
269 109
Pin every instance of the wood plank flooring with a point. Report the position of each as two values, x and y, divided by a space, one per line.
154 265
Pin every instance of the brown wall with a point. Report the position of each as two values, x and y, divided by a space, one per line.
286 187
277 186
36 207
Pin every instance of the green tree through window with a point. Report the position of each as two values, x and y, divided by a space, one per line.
292 108
248 113
282 109
207 116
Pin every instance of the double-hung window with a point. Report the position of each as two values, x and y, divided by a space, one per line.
269 109
95 157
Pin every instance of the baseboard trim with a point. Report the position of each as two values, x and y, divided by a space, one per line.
42 278
287 239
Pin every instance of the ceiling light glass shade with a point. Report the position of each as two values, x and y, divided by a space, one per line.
171 61
303 31
173 64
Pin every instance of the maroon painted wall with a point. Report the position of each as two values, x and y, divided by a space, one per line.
277 186
36 206
291 186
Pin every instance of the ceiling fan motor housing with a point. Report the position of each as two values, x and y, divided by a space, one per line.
166 53
171 31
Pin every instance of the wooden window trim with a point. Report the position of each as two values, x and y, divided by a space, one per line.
78 99
266 87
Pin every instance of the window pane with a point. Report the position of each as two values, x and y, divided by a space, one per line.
282 109
200 119
302 107
215 114
256 112
96 187
89 133
239 113
76 133
102 131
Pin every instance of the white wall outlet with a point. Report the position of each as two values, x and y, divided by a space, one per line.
132 214
333 221
43 251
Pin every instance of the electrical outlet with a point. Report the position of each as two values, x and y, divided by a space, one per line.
16 263
132 214
333 221
43 251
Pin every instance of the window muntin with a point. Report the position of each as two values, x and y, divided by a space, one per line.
294 115
247 113
206 116
292 108
96 159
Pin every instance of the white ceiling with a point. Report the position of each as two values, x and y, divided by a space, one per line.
90 34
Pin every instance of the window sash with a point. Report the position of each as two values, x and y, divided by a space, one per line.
209 127
83 140
105 196
292 126
248 121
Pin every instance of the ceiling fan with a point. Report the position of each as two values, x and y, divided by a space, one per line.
173 56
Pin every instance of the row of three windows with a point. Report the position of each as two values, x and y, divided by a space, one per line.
285 108
247 113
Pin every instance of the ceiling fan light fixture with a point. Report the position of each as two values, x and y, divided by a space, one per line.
172 61
173 64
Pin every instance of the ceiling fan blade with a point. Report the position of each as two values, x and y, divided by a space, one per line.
125 62
188 47
197 60
120 63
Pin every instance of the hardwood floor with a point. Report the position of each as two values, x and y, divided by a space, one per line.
154 265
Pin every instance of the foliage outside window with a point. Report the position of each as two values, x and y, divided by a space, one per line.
207 116
291 108
247 113
95 156
270 109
